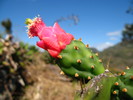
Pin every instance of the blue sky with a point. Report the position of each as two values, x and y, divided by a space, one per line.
100 25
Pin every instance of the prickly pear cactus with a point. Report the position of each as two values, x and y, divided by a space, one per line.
123 87
77 60
73 57
99 88
107 86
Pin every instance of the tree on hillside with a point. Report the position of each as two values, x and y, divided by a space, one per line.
7 24
128 33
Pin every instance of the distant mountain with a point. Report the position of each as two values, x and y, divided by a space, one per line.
118 56
94 50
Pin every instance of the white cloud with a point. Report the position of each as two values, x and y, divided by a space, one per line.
113 38
103 46
115 33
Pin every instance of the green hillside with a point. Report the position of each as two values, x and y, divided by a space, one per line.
118 56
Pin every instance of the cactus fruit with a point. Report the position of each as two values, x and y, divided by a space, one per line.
77 60
123 86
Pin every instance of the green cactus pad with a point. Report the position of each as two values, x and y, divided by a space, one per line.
99 88
77 60
124 86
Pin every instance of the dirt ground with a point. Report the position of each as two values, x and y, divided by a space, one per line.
48 83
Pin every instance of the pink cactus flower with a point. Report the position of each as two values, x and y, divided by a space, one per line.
53 39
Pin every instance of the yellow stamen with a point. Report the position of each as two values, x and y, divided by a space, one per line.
28 21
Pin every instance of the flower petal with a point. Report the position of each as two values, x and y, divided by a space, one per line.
64 39
51 43
53 53
58 29
45 32
41 44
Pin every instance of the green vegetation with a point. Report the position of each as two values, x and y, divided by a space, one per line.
14 57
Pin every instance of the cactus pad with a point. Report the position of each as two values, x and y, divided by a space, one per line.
123 87
77 60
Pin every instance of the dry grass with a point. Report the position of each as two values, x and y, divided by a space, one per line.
48 83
